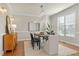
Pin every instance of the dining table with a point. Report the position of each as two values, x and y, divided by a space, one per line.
43 36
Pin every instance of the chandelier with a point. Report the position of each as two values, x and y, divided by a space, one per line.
42 8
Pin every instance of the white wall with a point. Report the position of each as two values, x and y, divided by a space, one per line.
2 31
22 26
72 40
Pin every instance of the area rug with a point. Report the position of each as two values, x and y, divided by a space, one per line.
33 52
65 51
62 51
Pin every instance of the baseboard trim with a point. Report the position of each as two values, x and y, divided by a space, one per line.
70 43
23 39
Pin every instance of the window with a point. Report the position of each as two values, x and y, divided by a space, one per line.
70 24
61 25
66 25
33 27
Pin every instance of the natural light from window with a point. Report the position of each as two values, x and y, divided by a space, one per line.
66 25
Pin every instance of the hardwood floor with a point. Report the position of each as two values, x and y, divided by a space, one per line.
19 51
72 47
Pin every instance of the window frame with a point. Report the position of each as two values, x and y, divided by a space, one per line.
58 24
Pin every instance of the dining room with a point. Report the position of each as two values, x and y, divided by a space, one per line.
37 29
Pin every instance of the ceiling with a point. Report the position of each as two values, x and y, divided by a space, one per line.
33 9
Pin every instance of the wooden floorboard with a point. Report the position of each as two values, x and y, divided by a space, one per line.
19 50
70 45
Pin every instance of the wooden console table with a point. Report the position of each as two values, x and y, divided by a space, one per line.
9 41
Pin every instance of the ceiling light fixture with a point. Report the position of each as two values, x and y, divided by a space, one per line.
42 8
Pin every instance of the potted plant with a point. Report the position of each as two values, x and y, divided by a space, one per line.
49 30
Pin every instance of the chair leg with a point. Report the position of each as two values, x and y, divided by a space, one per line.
39 45
33 46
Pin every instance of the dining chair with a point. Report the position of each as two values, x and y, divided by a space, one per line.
35 40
